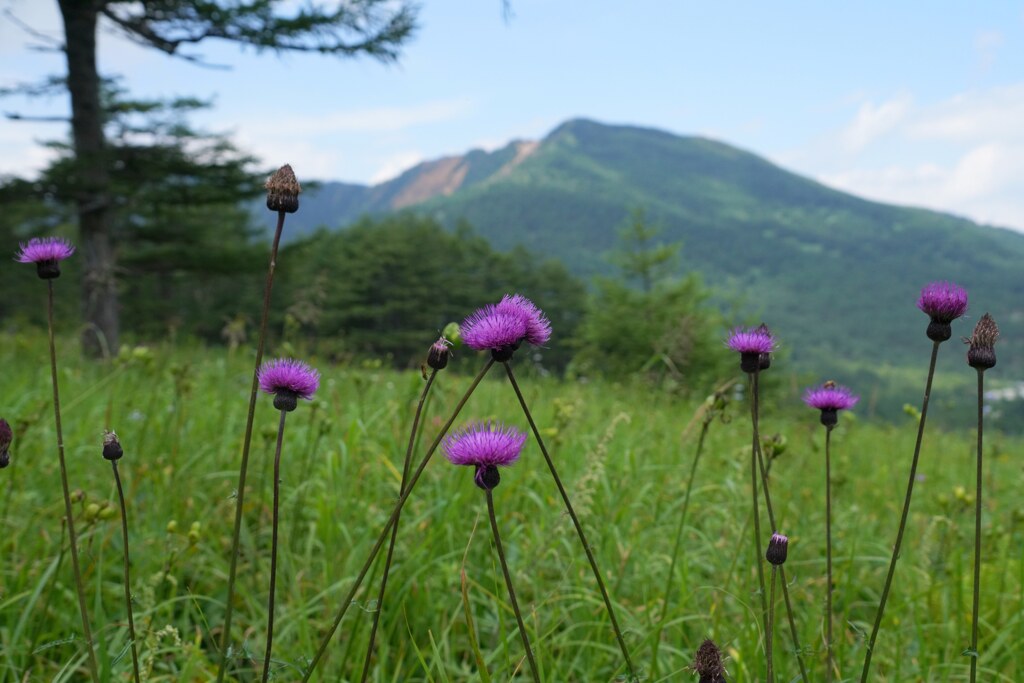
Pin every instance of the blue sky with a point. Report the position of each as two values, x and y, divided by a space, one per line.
914 103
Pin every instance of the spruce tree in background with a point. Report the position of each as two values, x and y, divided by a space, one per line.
376 28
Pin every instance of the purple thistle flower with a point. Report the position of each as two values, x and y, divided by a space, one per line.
751 343
486 446
830 398
6 435
778 547
46 253
288 380
502 327
944 302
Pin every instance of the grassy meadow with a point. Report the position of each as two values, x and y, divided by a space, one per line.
624 453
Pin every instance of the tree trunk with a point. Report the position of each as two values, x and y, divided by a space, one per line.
99 286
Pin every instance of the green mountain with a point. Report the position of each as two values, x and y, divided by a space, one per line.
835 276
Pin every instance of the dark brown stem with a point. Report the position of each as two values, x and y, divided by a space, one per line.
413 433
246 442
828 554
86 631
758 551
325 641
273 548
903 517
771 627
977 533
127 574
511 590
575 521
775 528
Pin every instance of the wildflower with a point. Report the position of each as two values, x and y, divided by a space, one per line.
486 446
503 327
112 447
707 663
46 253
283 190
777 548
944 302
437 356
751 344
830 398
5 443
289 380
982 354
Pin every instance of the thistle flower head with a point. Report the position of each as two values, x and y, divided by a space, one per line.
486 446
982 353
112 447
6 435
830 398
438 354
753 344
707 663
944 302
46 253
778 547
288 380
283 190
503 327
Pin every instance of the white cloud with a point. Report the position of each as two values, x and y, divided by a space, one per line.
874 121
986 48
395 165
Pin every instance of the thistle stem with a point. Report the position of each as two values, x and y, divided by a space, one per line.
903 517
828 554
273 547
771 627
511 590
413 432
127 574
86 631
246 442
391 521
575 521
977 533
775 528
758 554
676 547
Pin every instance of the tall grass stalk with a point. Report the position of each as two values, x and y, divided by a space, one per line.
127 573
407 463
575 521
903 518
69 513
755 408
273 547
395 514
243 468
511 591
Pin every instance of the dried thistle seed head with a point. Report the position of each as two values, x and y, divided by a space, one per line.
982 353
707 663
112 446
283 190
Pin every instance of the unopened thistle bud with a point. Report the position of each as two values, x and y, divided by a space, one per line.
112 447
707 663
437 356
777 549
283 190
982 353
6 435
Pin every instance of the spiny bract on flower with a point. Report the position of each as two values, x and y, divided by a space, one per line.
830 396
285 374
44 249
943 301
484 443
508 323
752 340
